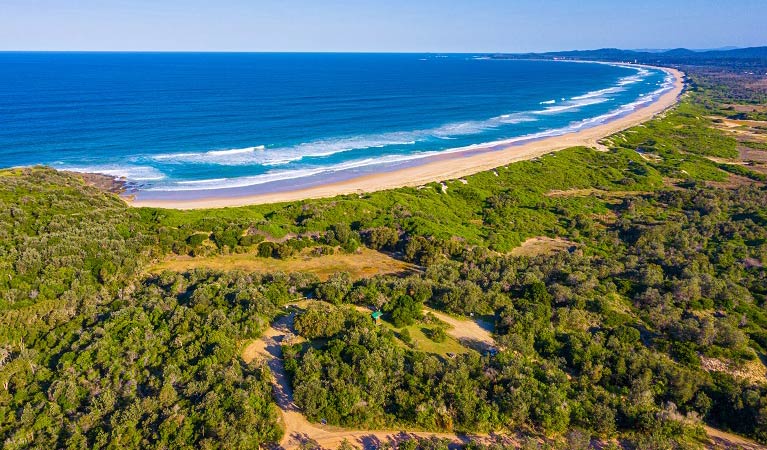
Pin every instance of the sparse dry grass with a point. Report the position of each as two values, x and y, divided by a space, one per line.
747 108
750 134
742 130
750 154
592 191
733 182
752 371
542 245
363 264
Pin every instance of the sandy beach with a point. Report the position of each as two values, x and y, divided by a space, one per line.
451 166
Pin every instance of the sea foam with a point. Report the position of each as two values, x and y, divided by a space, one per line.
286 175
127 171
280 155
273 156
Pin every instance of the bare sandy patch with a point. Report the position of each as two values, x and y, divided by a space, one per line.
734 162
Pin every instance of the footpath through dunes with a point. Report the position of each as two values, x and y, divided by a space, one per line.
299 431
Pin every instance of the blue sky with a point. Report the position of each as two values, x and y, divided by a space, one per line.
386 25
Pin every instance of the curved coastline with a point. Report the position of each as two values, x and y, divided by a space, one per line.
446 166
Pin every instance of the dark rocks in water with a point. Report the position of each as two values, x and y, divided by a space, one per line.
108 183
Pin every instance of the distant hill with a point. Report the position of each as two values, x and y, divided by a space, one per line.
740 57
661 50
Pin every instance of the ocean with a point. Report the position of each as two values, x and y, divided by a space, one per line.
193 124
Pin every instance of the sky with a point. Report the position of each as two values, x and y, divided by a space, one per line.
379 26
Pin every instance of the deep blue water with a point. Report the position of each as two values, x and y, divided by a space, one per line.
187 121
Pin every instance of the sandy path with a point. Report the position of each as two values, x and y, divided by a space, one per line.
471 333
445 166
722 439
298 430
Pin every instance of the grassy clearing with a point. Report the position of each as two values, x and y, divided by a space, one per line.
421 342
363 264
419 339
542 245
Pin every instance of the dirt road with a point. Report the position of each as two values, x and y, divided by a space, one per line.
722 439
471 333
299 431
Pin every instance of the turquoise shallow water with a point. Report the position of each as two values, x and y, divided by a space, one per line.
190 124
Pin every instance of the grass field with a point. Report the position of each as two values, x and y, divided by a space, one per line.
463 335
542 246
362 264
421 342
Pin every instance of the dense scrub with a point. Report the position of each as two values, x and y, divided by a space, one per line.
162 368
91 356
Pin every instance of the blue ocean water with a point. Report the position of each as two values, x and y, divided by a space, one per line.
186 122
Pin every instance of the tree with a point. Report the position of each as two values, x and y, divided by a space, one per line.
404 311
227 237
382 237
335 288
437 334
194 240
319 321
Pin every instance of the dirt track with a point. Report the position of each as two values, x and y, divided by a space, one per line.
471 333
298 430
722 439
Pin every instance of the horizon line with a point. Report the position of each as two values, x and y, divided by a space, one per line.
393 52
381 52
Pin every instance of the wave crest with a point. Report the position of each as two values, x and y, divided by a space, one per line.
276 156
129 172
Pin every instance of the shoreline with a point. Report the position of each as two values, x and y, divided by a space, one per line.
450 166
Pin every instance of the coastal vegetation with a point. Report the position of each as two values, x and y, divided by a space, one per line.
649 323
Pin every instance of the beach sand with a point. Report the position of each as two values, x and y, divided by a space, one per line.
451 166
